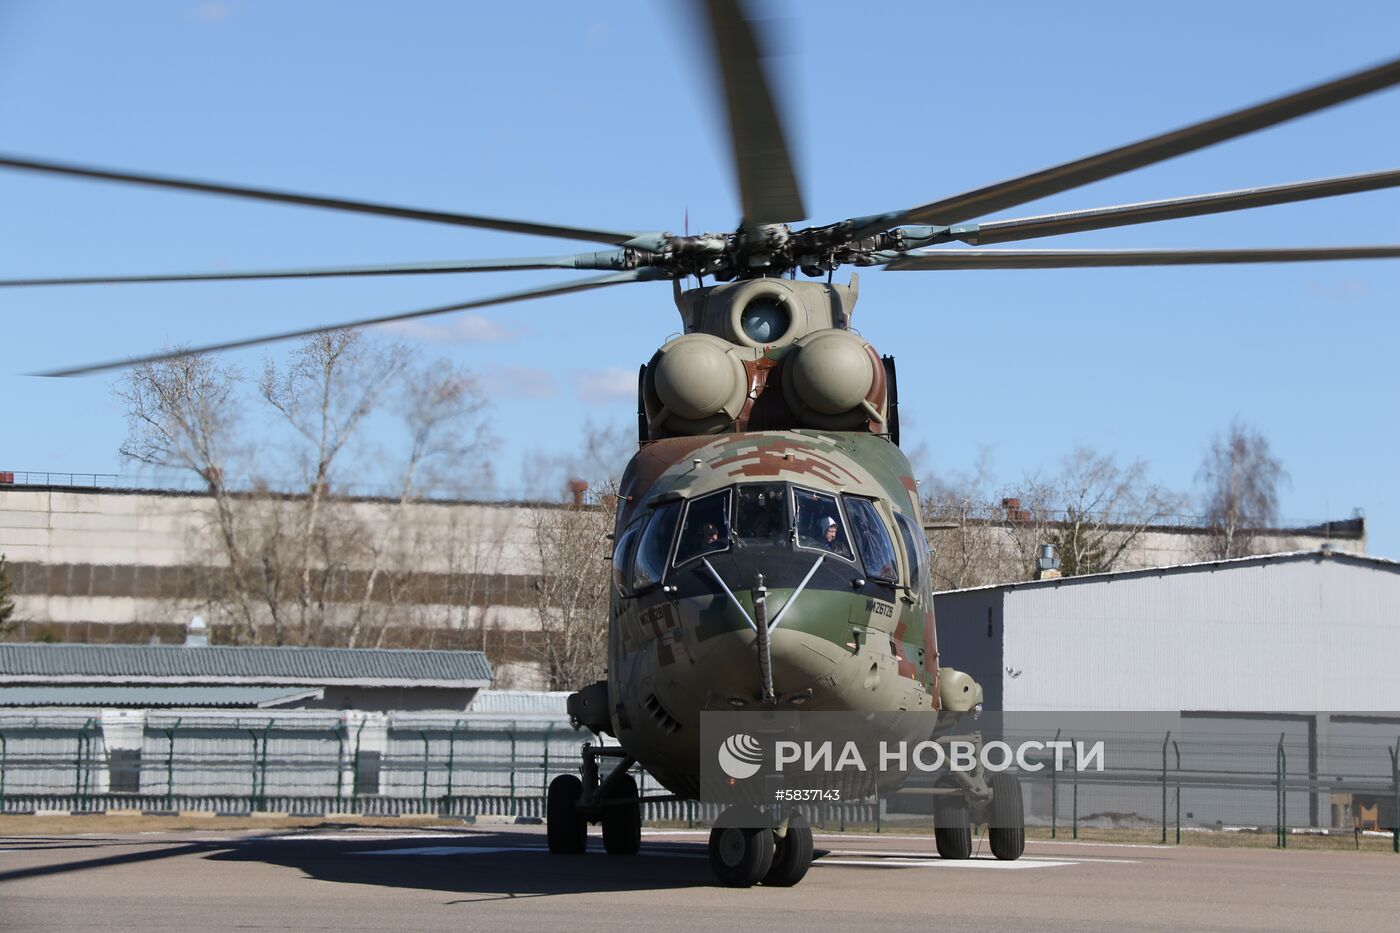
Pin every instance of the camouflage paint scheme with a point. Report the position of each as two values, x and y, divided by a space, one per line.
848 643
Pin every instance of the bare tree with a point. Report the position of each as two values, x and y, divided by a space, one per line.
962 519
301 564
572 595
1242 478
1093 510
183 413
8 623
598 461
1103 510
442 407
573 545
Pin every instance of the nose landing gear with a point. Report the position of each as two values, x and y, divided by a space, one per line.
745 849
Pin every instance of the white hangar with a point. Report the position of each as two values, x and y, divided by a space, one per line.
1299 632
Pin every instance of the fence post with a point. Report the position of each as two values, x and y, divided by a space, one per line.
355 778
253 789
340 736
81 765
4 754
1055 791
451 759
544 781
510 734
1394 801
422 734
262 768
170 764
1074 804
1165 742
1281 772
1177 750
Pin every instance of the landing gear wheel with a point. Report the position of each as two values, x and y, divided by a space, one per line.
566 828
622 822
1006 830
741 855
952 828
792 854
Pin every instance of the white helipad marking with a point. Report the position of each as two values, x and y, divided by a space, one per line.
1088 844
887 853
993 864
453 850
367 837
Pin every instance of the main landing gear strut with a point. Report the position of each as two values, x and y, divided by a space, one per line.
746 848
575 802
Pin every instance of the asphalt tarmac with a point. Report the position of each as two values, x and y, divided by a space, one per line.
502 879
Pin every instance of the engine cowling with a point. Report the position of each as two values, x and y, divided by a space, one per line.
695 384
834 379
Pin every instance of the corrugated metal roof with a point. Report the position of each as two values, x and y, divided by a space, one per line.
148 697
521 702
1378 563
233 664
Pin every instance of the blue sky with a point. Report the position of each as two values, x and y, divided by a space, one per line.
600 114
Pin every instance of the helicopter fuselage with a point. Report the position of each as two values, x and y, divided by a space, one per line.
820 528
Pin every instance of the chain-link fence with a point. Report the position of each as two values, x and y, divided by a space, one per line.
1214 788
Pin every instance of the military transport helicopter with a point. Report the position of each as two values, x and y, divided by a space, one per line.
768 546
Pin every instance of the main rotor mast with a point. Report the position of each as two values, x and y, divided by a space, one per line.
766 250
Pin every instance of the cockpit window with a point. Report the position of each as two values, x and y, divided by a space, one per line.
622 553
761 514
872 540
654 546
915 548
819 523
706 527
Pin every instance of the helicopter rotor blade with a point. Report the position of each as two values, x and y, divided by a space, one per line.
611 259
947 259
999 196
1029 228
21 163
508 298
768 188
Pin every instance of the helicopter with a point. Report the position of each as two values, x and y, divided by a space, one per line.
768 545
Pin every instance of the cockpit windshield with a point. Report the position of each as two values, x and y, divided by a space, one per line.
706 527
761 514
819 523
876 548
772 514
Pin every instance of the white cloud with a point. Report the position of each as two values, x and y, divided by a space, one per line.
1341 289
461 328
212 12
520 382
605 385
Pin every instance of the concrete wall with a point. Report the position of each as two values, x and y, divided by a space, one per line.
85 562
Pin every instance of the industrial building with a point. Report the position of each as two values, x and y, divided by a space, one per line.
104 564
1260 689
241 729
1295 632
200 675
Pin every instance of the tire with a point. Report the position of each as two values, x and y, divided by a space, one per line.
952 828
566 828
792 854
741 856
1006 824
622 822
